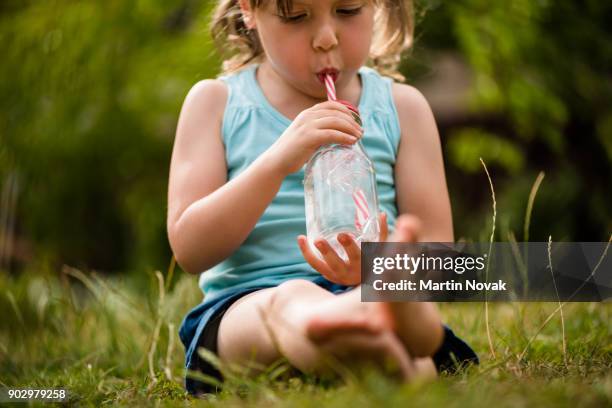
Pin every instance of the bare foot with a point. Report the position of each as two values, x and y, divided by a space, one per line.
357 348
345 313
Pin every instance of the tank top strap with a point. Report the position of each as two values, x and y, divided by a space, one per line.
238 84
377 99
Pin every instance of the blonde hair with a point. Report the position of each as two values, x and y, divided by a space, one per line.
239 46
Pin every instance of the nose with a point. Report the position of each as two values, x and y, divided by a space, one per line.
325 37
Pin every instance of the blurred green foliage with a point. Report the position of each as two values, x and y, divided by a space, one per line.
91 92
540 101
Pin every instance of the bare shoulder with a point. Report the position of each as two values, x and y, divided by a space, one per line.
208 97
198 166
202 112
407 94
411 105
417 122
208 87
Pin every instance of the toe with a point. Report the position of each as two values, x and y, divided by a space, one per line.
320 328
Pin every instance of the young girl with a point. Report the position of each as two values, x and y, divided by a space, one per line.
236 199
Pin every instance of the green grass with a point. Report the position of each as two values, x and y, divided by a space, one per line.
114 341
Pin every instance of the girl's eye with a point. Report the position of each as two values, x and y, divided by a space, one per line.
349 12
293 19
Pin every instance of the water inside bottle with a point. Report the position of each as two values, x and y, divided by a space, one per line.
340 197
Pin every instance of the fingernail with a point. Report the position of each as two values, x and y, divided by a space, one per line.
320 246
342 238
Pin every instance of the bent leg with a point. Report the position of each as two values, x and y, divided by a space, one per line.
273 323
250 332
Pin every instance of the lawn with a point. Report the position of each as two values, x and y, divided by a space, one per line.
113 341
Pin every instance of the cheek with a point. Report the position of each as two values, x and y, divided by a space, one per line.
282 43
358 38
286 49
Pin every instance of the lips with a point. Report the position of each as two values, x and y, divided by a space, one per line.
333 72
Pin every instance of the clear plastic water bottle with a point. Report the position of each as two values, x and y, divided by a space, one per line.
340 195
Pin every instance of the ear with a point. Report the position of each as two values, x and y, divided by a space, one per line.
247 14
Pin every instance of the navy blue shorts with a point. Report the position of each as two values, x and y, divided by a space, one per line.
201 326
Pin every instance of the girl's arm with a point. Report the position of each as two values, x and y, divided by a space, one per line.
208 217
419 170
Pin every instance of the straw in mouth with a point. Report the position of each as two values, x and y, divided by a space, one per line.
331 96
331 88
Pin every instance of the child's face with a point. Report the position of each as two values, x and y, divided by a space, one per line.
317 34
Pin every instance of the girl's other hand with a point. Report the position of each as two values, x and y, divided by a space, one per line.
325 123
334 268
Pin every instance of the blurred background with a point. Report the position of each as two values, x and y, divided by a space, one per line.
91 92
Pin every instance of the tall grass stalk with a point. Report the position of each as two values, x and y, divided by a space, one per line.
158 324
523 263
170 273
169 352
532 195
486 302
558 299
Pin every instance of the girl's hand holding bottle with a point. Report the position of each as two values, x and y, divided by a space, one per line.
333 267
325 123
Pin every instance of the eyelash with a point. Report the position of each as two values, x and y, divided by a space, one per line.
343 12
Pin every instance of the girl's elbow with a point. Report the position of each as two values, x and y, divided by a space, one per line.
184 261
180 252
186 264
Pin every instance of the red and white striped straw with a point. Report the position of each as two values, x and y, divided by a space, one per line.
362 213
331 88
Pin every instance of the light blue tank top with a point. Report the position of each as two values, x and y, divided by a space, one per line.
270 254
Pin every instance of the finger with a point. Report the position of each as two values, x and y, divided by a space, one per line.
333 112
313 260
351 248
321 328
398 354
407 229
384 227
330 256
357 344
328 136
345 113
333 105
338 123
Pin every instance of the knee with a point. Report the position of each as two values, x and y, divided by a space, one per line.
429 340
297 285
432 341
293 290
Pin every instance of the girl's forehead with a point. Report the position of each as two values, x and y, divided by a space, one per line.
288 4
